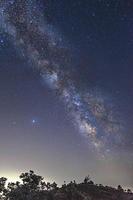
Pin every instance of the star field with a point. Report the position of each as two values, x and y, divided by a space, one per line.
81 57
52 58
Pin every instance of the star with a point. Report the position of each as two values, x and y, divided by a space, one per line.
34 121
1 41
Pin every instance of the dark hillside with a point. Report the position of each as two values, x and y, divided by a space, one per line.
33 187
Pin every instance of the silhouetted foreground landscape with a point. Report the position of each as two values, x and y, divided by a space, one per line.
33 187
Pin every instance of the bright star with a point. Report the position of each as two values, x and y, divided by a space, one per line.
34 121
2 41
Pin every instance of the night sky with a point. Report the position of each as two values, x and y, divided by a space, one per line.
66 89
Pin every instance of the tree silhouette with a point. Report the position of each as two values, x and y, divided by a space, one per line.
33 187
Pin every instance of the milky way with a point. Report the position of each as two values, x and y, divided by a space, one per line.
47 51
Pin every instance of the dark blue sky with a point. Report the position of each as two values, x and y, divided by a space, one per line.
102 34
